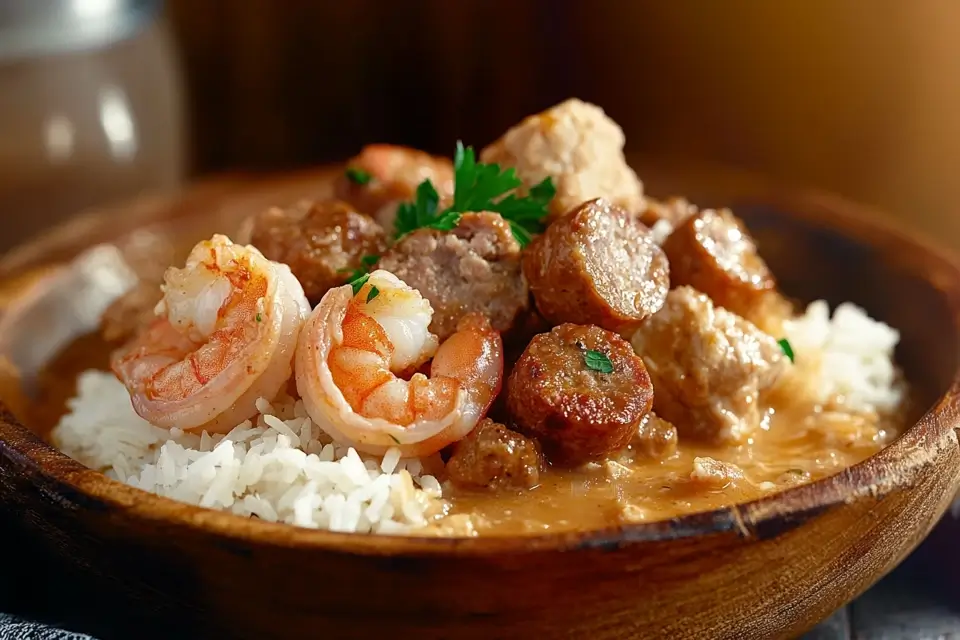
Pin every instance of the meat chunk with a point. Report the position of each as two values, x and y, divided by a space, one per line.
708 367
597 265
130 313
714 474
672 211
580 391
655 439
473 268
322 242
712 252
382 175
577 145
494 457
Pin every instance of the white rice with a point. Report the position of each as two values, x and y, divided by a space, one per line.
278 467
855 366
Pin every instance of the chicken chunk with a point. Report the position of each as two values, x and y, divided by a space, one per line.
577 145
708 366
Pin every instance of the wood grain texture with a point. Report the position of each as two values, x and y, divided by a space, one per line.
858 97
765 569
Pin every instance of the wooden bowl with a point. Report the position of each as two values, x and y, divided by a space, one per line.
132 563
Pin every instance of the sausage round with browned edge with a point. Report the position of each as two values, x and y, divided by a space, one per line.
321 242
475 267
597 265
581 391
712 252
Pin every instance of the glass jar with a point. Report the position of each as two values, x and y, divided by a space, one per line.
91 109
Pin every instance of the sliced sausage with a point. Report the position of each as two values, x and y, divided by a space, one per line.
473 268
597 265
383 175
130 313
708 366
494 457
322 242
580 391
712 252
577 145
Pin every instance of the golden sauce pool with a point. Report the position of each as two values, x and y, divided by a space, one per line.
798 445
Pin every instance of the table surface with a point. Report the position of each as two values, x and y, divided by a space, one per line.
904 606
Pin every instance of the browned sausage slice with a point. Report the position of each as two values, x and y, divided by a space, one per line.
494 457
322 242
580 391
708 366
597 265
473 268
713 252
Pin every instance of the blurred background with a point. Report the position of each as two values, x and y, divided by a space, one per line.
103 99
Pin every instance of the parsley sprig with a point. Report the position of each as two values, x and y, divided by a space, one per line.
478 187
358 176
787 349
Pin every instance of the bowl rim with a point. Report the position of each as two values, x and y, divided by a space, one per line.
894 466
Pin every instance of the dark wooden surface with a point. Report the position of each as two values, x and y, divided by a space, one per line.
910 604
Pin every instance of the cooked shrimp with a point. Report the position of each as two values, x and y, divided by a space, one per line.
225 335
356 351
395 172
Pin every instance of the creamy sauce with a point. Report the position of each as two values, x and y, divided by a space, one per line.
799 444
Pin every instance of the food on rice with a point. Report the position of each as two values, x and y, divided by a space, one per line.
393 408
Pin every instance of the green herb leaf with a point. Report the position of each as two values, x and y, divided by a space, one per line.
259 318
366 263
521 235
787 349
419 213
358 283
597 361
446 222
478 187
357 176
374 292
